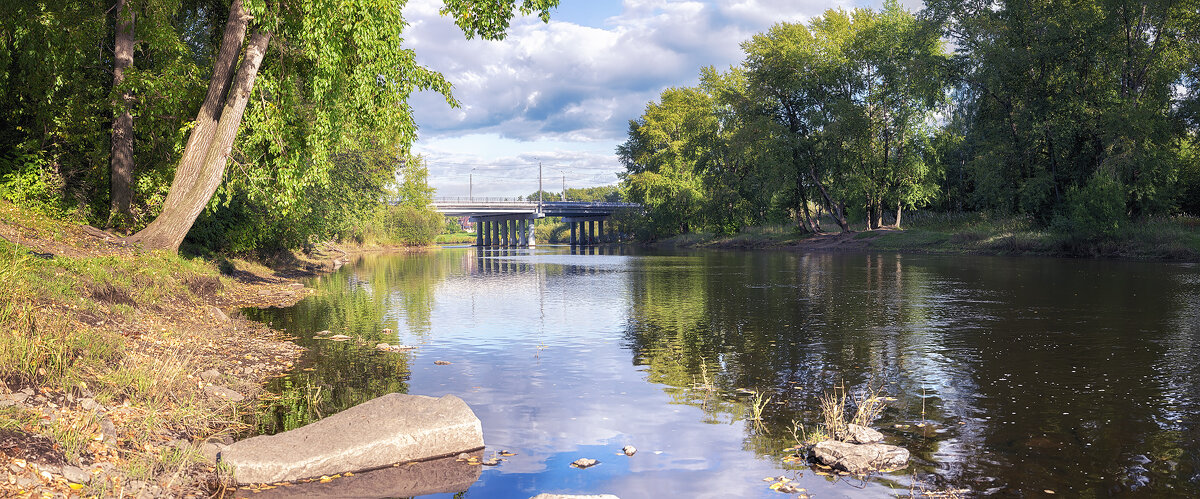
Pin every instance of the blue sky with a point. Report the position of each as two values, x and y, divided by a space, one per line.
562 93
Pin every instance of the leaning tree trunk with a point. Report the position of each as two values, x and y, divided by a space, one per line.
190 190
838 211
899 210
122 128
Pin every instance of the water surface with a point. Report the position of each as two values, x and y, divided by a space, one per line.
1010 376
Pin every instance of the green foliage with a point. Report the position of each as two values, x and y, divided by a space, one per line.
1095 209
1054 95
331 93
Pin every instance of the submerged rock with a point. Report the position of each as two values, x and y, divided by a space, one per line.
860 459
394 428
393 348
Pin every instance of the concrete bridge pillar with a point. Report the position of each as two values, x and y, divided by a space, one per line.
591 232
478 234
530 234
486 227
574 241
600 230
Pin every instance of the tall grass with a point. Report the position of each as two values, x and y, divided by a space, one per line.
836 406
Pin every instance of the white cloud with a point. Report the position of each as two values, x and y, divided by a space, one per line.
561 82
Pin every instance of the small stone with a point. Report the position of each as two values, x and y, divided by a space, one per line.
19 397
441 362
74 474
338 337
108 430
211 451
7 402
584 462
25 481
857 434
217 314
629 450
90 404
210 375
224 393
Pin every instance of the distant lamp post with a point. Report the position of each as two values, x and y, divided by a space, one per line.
564 186
471 185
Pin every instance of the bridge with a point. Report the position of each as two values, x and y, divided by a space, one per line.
508 222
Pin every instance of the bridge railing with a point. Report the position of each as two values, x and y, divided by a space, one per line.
481 201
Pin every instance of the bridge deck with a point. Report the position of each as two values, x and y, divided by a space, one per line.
548 208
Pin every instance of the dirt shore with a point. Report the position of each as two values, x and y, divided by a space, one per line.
158 367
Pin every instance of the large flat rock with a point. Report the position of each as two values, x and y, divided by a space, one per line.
439 476
860 459
391 429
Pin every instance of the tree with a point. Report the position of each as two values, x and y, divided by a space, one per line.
346 54
122 127
1072 97
662 155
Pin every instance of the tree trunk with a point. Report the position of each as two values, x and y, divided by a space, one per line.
189 190
838 211
802 211
899 211
122 128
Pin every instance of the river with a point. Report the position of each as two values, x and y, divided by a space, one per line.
1007 376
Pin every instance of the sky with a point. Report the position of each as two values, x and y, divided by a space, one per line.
562 93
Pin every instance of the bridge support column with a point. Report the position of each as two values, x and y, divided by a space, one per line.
600 231
591 232
478 233
530 235
514 238
574 240
522 230
486 227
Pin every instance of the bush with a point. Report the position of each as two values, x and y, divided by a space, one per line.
1095 210
401 225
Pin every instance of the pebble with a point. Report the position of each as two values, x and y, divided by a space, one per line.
629 450
210 375
89 404
74 474
225 393
584 462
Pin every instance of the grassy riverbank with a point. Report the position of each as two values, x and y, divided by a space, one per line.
119 369
1160 238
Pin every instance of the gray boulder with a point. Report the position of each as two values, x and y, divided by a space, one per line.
857 434
391 429
860 459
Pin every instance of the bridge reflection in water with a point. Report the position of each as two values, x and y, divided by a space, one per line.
511 223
